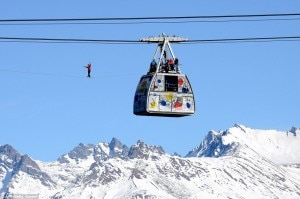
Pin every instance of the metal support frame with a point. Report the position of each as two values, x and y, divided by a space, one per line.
164 43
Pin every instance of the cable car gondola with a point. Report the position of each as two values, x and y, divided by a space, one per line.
164 90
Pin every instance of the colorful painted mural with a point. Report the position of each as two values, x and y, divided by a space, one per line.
164 93
177 101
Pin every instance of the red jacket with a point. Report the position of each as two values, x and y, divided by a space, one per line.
89 66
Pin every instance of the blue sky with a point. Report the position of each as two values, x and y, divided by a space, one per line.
48 106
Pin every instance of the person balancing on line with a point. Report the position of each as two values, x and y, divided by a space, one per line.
89 68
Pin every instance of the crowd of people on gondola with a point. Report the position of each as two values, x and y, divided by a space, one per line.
169 65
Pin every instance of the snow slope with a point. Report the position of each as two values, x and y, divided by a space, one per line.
278 146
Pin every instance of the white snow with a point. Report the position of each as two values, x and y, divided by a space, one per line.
278 146
104 147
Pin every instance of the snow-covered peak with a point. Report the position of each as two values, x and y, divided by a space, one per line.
115 145
278 146
117 149
79 153
142 151
90 153
212 146
9 154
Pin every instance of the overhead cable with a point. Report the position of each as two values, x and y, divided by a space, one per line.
119 41
245 39
151 18
147 22
68 40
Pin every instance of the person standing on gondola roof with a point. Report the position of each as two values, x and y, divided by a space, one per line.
153 66
176 63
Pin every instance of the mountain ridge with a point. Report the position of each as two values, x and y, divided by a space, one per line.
227 164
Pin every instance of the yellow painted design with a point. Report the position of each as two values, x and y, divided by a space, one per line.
169 96
153 105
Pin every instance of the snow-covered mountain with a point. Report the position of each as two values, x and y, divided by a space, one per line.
279 147
237 163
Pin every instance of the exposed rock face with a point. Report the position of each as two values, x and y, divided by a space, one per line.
117 149
212 146
143 151
295 131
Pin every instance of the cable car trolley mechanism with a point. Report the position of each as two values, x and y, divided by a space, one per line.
164 90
